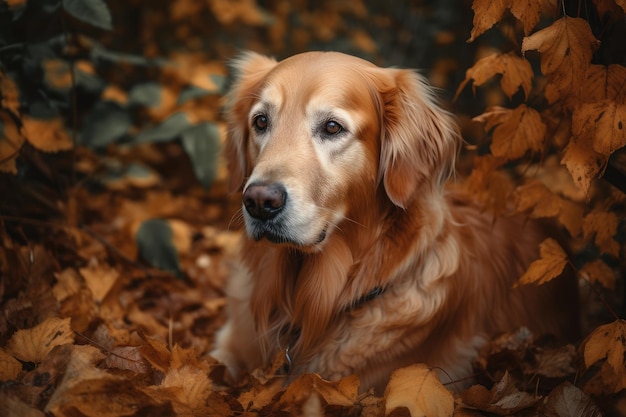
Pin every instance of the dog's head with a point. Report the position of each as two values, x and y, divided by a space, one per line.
316 135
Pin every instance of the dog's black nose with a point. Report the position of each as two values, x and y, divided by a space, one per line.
264 201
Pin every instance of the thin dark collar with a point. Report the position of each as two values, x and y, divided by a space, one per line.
359 302
354 305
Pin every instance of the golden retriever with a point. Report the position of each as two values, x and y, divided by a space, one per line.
358 259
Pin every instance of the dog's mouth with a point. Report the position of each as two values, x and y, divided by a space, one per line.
280 236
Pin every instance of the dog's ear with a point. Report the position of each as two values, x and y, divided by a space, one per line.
249 70
420 140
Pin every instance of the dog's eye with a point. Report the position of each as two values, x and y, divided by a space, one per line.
260 122
332 127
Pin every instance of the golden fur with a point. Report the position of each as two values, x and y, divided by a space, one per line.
366 208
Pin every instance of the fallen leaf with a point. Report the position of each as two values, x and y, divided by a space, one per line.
68 284
9 366
551 362
126 358
567 46
11 142
503 399
10 96
14 407
417 388
32 345
341 393
567 400
155 352
99 278
550 264
602 224
47 135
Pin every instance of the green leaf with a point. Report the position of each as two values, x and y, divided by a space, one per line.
146 94
94 12
170 129
154 240
106 123
202 144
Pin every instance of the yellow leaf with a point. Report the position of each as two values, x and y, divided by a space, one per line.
598 271
518 131
343 392
566 47
528 12
604 121
47 135
583 162
607 341
417 388
604 225
32 345
516 72
552 260
486 14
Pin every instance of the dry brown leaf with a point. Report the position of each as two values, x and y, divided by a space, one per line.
341 393
10 94
583 162
99 278
155 352
503 399
47 135
190 385
607 341
81 367
516 72
126 358
550 264
602 224
551 362
417 388
567 46
528 12
32 345
260 395
68 284
11 142
604 83
516 131
9 366
567 400
14 407
486 14
604 122
598 271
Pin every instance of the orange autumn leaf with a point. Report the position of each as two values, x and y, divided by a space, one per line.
608 341
535 197
598 271
417 388
9 94
604 82
566 48
32 345
528 12
516 72
11 142
602 225
550 264
486 14
99 279
604 122
48 135
583 162
9 366
504 398
517 131
343 392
